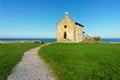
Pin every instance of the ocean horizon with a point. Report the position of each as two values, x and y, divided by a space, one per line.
54 39
110 39
40 39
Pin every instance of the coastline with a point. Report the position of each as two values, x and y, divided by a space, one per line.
111 42
20 41
39 40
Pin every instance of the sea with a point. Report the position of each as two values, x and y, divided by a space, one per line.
110 39
39 39
54 39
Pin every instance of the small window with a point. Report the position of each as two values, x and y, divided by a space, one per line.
65 26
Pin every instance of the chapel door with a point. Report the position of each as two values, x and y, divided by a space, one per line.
65 35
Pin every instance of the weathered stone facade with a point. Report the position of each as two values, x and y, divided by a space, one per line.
69 31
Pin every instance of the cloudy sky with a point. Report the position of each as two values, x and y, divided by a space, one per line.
38 18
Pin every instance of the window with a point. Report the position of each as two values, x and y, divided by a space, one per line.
65 26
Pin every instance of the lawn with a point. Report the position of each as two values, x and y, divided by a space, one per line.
10 55
92 61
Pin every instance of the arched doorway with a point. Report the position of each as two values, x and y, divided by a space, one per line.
65 35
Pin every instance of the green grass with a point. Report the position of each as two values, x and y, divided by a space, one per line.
10 55
95 61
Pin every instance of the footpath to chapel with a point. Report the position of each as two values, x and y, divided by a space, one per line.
31 67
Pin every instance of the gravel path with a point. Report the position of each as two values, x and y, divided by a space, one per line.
31 67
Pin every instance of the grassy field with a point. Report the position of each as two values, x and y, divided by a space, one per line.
81 61
10 55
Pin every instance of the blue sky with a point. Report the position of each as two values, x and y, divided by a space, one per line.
38 18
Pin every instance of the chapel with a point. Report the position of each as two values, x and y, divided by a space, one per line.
69 30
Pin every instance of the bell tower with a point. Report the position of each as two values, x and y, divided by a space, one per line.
66 14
